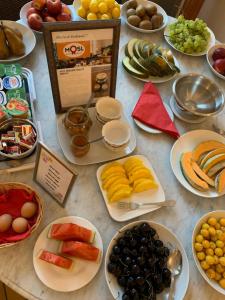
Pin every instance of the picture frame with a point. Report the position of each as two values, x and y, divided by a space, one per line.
82 60
52 174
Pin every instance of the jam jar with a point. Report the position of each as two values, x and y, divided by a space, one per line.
77 121
80 145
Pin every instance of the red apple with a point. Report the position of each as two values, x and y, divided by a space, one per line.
54 7
219 65
38 4
218 53
49 19
35 21
63 17
65 9
44 13
32 10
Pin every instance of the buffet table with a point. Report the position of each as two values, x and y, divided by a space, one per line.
85 199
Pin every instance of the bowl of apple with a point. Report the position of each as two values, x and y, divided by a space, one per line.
216 60
35 12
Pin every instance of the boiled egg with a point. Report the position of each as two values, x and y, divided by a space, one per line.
5 222
28 209
20 225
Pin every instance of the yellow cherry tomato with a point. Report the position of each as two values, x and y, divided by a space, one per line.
198 247
216 259
204 233
91 16
222 222
212 245
209 251
222 283
205 226
93 7
206 244
81 12
200 255
212 221
209 259
211 273
212 231
220 269
219 244
218 252
204 265
222 261
217 226
116 12
218 276
103 8
199 238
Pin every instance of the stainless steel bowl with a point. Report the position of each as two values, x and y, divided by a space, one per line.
198 94
14 121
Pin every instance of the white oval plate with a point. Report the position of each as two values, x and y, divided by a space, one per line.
121 215
210 43
210 60
144 2
29 40
187 142
216 214
167 237
23 15
57 278
150 129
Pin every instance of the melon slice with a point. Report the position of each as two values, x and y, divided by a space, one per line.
189 173
202 174
212 162
211 154
205 147
220 182
216 169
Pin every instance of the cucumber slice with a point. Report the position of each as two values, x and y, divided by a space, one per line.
131 70
129 48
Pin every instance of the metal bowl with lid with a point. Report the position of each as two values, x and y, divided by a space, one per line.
198 95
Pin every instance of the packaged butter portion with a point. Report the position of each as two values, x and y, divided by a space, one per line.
19 93
13 69
3 99
18 108
12 82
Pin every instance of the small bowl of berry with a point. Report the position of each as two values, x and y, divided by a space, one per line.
136 262
216 60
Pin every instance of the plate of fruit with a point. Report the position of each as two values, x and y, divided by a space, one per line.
208 241
216 60
144 16
97 10
16 41
190 37
35 12
147 61
129 180
198 162
68 254
136 262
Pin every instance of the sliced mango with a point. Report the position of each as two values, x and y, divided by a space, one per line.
220 181
113 164
132 160
189 173
120 194
115 188
112 170
113 180
202 174
211 154
133 166
144 185
205 147
143 173
212 162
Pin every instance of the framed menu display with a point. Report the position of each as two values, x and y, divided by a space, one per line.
52 174
82 59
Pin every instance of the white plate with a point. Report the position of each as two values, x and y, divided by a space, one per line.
167 237
121 215
25 7
144 2
59 279
29 40
153 130
210 43
98 152
210 60
215 214
187 142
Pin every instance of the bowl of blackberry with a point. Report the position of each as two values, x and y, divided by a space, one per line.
136 262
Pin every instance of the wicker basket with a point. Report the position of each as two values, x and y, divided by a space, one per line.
16 185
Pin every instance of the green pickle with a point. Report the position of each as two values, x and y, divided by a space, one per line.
13 69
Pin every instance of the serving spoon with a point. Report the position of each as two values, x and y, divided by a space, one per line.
174 264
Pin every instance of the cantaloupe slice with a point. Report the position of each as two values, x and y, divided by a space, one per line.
189 173
202 174
211 154
205 147
212 162
220 181
216 169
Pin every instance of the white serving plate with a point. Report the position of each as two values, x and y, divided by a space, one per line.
144 2
23 15
151 129
121 215
167 237
210 60
187 142
216 214
57 278
29 40
98 152
210 43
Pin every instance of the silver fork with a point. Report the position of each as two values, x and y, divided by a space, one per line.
135 205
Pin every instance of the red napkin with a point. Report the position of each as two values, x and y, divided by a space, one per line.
11 203
151 111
